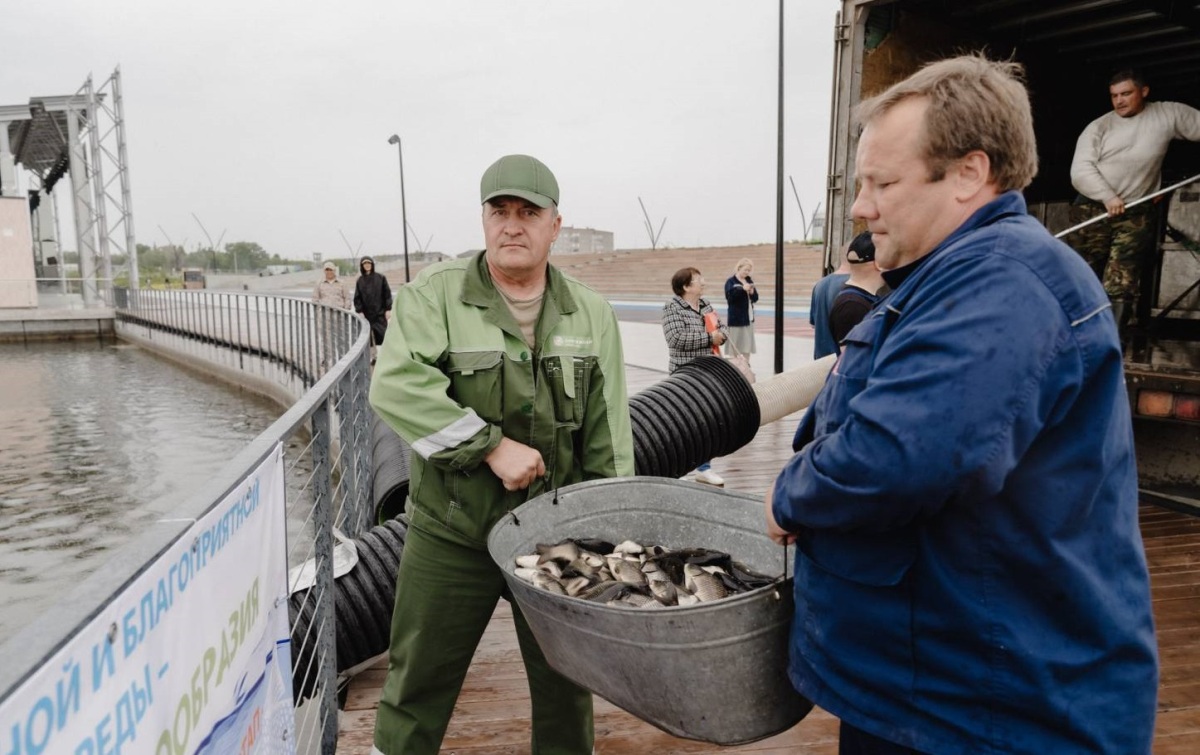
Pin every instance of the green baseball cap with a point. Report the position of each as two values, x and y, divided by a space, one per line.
519 176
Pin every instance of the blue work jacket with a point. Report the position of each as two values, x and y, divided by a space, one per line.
970 574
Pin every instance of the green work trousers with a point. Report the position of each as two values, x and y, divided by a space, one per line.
1115 248
445 596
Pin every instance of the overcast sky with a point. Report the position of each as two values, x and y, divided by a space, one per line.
269 120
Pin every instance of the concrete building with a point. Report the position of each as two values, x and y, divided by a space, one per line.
582 241
817 232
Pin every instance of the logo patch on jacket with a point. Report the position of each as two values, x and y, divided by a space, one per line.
577 343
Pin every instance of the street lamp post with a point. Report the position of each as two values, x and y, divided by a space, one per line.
395 139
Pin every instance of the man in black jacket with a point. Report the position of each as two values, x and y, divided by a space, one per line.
373 300
860 293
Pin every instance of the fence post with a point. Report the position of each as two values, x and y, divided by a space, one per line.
354 427
361 369
325 615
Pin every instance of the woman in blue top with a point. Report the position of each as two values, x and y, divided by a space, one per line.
741 295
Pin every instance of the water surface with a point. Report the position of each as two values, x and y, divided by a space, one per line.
96 439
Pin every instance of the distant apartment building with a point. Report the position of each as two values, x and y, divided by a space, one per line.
817 232
582 241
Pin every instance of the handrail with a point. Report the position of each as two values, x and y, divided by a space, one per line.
314 357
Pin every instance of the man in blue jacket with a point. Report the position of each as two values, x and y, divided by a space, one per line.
969 572
823 293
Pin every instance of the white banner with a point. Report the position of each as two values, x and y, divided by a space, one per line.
193 657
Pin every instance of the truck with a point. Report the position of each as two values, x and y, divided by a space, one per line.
1069 50
193 277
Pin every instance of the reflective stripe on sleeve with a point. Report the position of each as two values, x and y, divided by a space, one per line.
459 431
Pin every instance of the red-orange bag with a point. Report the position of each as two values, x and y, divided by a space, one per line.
710 325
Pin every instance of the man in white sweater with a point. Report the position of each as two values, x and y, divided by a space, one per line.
1118 159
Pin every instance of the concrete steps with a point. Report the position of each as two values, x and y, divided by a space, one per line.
646 274
637 274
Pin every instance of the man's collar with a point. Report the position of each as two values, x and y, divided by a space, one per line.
479 289
1008 203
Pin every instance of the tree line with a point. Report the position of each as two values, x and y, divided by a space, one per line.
237 256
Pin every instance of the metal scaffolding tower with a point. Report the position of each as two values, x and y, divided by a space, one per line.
81 137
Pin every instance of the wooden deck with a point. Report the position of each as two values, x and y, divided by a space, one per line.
492 715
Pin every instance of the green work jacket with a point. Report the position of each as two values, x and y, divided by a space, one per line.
454 375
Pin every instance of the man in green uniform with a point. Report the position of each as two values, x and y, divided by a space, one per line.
507 379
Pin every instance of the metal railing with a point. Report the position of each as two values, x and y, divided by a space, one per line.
310 357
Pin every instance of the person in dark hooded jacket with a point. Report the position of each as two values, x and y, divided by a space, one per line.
373 299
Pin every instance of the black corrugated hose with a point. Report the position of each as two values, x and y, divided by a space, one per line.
363 600
703 410
390 456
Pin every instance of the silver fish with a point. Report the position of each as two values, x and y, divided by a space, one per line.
592 559
630 547
631 558
664 590
529 561
653 576
576 585
703 585
635 574
584 566
544 581
627 572
604 592
633 599
566 552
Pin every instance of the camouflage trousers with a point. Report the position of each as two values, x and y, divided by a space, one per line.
1114 248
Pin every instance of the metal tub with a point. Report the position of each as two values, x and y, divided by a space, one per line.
716 671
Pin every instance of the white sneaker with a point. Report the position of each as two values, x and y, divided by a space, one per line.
709 477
